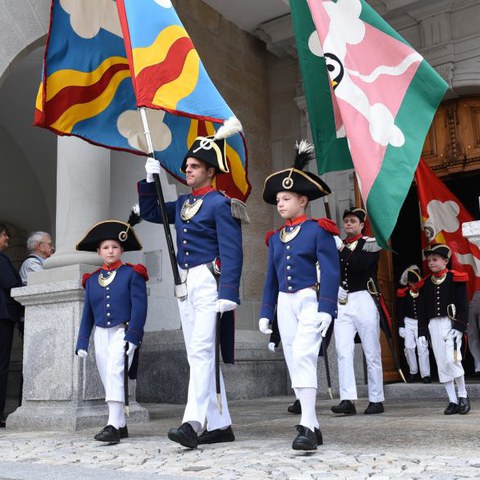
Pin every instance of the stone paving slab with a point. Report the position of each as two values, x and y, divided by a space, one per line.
411 440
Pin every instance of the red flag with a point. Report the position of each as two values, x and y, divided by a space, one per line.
442 217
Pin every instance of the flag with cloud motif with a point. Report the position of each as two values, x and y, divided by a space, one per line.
87 89
442 217
384 97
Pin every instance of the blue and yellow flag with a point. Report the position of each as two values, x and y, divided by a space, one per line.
87 88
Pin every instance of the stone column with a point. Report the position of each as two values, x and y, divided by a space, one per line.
61 390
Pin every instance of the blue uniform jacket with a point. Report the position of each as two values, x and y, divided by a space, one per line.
291 267
124 300
211 233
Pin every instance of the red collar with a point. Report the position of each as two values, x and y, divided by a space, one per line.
441 273
113 266
202 191
352 239
296 221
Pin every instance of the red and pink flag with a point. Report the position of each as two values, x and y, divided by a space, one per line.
442 218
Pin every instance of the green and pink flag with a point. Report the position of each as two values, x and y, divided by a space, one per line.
379 97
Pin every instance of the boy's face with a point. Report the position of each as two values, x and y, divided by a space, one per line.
352 225
198 174
110 251
4 238
436 263
291 205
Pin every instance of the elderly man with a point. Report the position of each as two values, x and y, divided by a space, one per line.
41 247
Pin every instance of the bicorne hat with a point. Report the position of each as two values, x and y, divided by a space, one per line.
212 149
360 213
411 274
438 249
117 230
294 179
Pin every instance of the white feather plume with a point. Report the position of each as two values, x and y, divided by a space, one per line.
303 146
231 126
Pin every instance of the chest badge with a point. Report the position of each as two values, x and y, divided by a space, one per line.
288 235
105 281
190 208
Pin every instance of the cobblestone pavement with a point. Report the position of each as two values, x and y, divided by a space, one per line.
411 440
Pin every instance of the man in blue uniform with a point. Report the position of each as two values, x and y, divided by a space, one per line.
209 255
357 313
305 304
445 317
116 303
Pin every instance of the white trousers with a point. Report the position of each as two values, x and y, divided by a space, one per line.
412 342
300 332
473 329
360 315
443 349
199 319
110 357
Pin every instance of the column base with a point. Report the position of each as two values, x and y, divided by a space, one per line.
67 417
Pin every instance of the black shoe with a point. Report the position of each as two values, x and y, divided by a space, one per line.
216 436
412 378
109 434
318 433
463 405
374 407
295 408
123 432
184 435
452 409
346 407
3 421
426 379
305 440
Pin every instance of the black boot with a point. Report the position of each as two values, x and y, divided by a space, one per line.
184 435
463 405
452 409
318 433
295 407
216 436
123 432
412 378
109 434
346 407
427 379
3 421
305 440
374 407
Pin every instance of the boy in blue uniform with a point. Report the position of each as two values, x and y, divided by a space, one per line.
305 307
445 317
209 255
409 309
116 303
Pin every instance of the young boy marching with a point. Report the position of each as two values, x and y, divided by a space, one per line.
305 306
409 308
446 316
116 303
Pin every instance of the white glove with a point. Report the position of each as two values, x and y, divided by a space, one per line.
264 326
422 341
342 294
131 348
152 167
325 320
224 305
401 332
271 346
82 353
455 334
338 242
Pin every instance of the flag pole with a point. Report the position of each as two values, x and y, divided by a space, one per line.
180 287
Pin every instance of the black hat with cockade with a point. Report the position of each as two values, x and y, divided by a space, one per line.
360 213
438 249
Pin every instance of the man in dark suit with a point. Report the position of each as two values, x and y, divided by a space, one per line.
10 312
